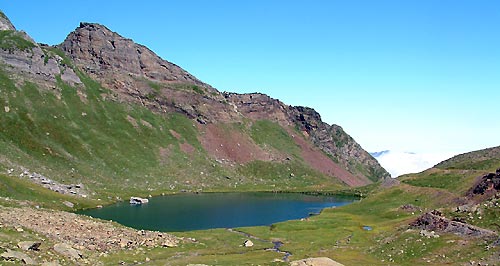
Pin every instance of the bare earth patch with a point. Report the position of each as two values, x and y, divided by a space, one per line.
231 145
175 134
187 148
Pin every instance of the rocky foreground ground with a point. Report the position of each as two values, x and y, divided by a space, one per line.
70 236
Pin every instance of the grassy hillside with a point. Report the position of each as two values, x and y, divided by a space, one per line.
72 135
487 159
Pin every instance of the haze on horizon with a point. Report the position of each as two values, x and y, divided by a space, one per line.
415 76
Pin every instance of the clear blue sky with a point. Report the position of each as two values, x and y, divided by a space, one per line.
413 75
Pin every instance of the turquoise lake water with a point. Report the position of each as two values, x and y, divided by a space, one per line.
186 212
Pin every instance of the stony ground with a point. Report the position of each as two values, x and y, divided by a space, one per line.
74 235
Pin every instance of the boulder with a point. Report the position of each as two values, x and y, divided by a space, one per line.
248 243
68 251
168 243
69 204
428 234
18 256
323 261
29 245
138 200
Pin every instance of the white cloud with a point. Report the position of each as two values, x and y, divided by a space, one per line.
398 163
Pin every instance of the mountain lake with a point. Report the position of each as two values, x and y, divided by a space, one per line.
189 211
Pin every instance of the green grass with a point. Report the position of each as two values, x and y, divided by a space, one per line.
198 90
270 134
486 164
456 181
187 87
486 159
51 51
19 189
11 40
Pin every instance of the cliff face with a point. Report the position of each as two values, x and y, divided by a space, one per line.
132 75
136 74
332 140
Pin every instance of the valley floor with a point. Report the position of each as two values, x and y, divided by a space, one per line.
336 233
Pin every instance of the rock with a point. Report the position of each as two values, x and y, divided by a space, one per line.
323 261
428 234
248 243
138 200
70 77
5 23
410 208
488 184
69 204
16 255
7 109
29 245
432 221
169 244
68 251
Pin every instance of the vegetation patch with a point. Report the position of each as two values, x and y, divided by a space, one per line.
13 40
270 134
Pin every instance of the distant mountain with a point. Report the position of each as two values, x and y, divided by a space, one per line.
108 113
399 162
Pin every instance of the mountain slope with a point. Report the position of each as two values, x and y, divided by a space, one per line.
104 112
486 159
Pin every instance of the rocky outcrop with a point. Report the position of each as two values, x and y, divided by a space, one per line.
66 250
136 74
5 23
34 61
334 141
18 256
435 222
100 51
71 189
331 139
488 184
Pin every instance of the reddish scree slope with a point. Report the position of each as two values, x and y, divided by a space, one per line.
319 161
233 146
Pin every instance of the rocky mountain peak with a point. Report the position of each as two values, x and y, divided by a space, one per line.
104 53
5 23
